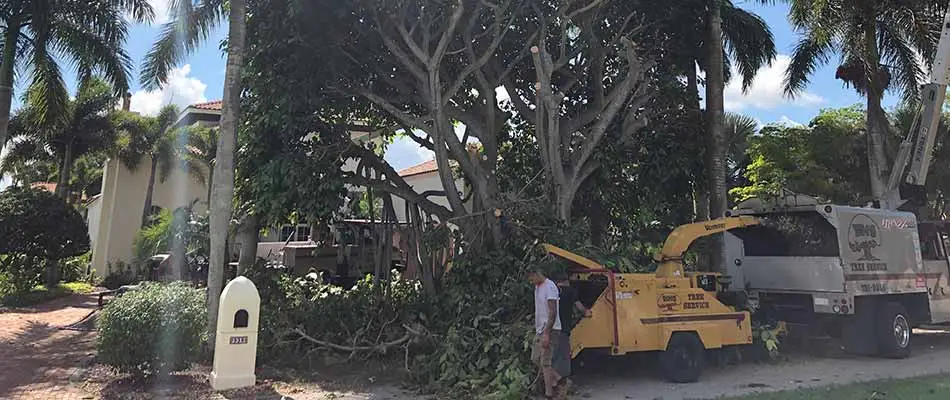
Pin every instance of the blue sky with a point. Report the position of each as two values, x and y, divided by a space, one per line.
201 77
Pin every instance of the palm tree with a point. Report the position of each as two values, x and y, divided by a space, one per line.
737 130
36 34
199 154
749 44
84 128
879 42
190 24
149 138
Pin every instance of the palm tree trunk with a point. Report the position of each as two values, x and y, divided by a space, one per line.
62 187
877 159
210 184
149 191
700 192
715 166
222 192
6 76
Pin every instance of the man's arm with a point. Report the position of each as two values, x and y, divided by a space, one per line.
552 316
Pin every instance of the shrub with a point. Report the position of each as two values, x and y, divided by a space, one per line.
77 269
38 229
19 273
157 329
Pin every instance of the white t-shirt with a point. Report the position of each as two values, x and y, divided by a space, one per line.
542 293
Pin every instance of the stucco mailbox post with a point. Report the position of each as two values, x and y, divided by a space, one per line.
235 350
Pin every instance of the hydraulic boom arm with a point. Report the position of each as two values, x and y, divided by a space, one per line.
917 147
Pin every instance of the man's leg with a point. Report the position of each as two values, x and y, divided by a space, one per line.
551 377
562 355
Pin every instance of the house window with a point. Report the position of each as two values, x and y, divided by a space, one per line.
293 233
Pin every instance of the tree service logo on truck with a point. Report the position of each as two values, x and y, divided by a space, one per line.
863 237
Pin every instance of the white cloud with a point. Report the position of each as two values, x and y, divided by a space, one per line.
766 92
181 90
786 121
161 10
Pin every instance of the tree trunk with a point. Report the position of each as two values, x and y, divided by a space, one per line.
52 273
877 157
714 109
62 187
6 76
210 184
222 192
149 191
250 234
700 191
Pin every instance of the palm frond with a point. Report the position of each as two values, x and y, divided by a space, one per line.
166 152
47 92
190 25
95 53
897 52
749 40
810 53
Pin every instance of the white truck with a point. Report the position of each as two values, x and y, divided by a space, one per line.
870 274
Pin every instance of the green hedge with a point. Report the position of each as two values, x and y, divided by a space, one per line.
156 329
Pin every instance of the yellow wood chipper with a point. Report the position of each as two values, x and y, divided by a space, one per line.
671 311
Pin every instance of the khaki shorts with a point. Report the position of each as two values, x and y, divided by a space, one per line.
545 356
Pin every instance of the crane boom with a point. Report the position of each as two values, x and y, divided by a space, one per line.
917 147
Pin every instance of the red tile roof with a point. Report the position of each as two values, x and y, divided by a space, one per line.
426 167
211 105
50 186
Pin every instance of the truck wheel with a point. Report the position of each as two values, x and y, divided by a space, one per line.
893 331
682 362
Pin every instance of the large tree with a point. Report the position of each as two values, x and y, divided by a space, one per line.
880 43
190 24
83 129
36 35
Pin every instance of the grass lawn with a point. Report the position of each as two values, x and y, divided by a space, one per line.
932 387
41 294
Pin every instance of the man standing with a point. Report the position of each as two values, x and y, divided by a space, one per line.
547 326
567 303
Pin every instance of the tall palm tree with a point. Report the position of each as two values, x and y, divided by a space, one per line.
742 36
199 154
191 23
150 138
36 34
84 128
879 42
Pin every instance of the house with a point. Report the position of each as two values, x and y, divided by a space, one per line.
422 178
114 216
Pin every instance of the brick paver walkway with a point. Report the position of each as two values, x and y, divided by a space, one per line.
37 359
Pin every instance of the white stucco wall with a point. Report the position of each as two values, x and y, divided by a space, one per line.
122 202
421 183
93 217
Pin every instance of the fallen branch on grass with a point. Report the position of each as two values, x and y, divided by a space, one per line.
381 348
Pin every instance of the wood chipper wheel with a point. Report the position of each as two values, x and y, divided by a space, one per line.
682 361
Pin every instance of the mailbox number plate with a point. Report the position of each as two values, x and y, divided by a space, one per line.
238 340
